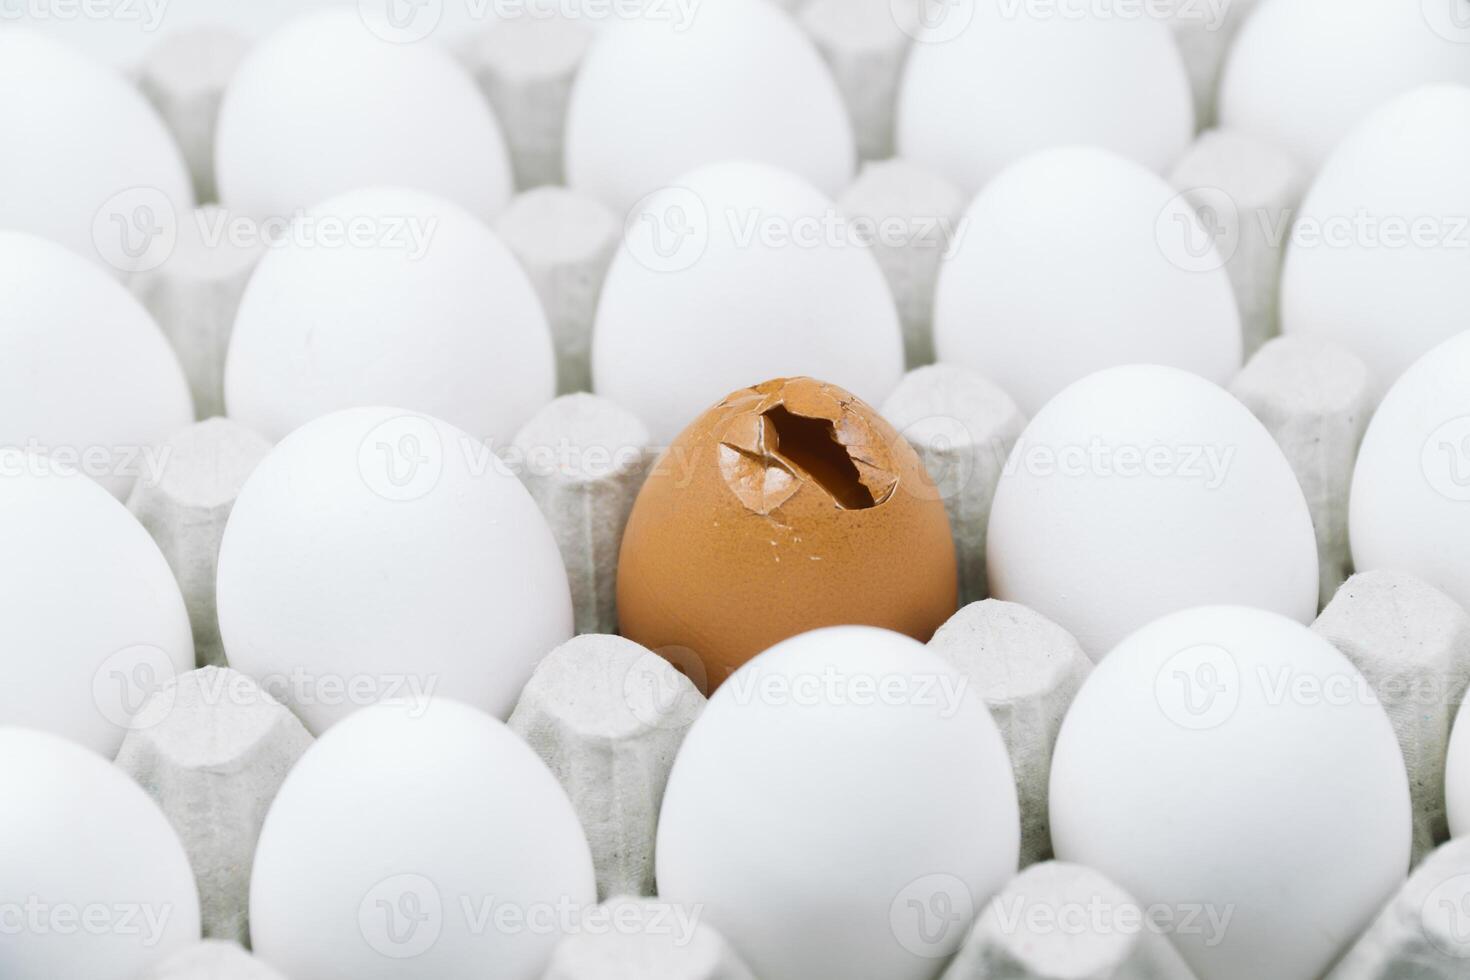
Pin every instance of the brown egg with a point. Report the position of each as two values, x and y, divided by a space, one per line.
786 507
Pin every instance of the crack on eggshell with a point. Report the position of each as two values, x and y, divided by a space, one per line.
828 447
762 483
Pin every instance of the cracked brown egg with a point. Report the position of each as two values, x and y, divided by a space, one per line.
788 506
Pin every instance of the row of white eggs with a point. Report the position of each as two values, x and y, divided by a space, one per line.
477 570
1136 491
810 830
1058 269
988 81
317 532
1403 514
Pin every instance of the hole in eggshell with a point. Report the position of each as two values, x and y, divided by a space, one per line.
811 445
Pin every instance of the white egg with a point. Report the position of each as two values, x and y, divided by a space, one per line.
95 618
1233 771
418 840
1457 774
97 884
1377 259
87 161
1303 72
325 106
740 274
1076 259
428 310
1143 490
844 807
86 376
1411 487
376 553
990 81
132 28
688 85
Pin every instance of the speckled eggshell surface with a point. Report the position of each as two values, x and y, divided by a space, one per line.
788 506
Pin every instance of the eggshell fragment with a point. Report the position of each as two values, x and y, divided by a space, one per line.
787 506
96 883
1143 490
1232 770
843 808
416 840
377 554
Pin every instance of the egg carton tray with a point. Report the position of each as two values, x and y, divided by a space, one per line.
608 716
